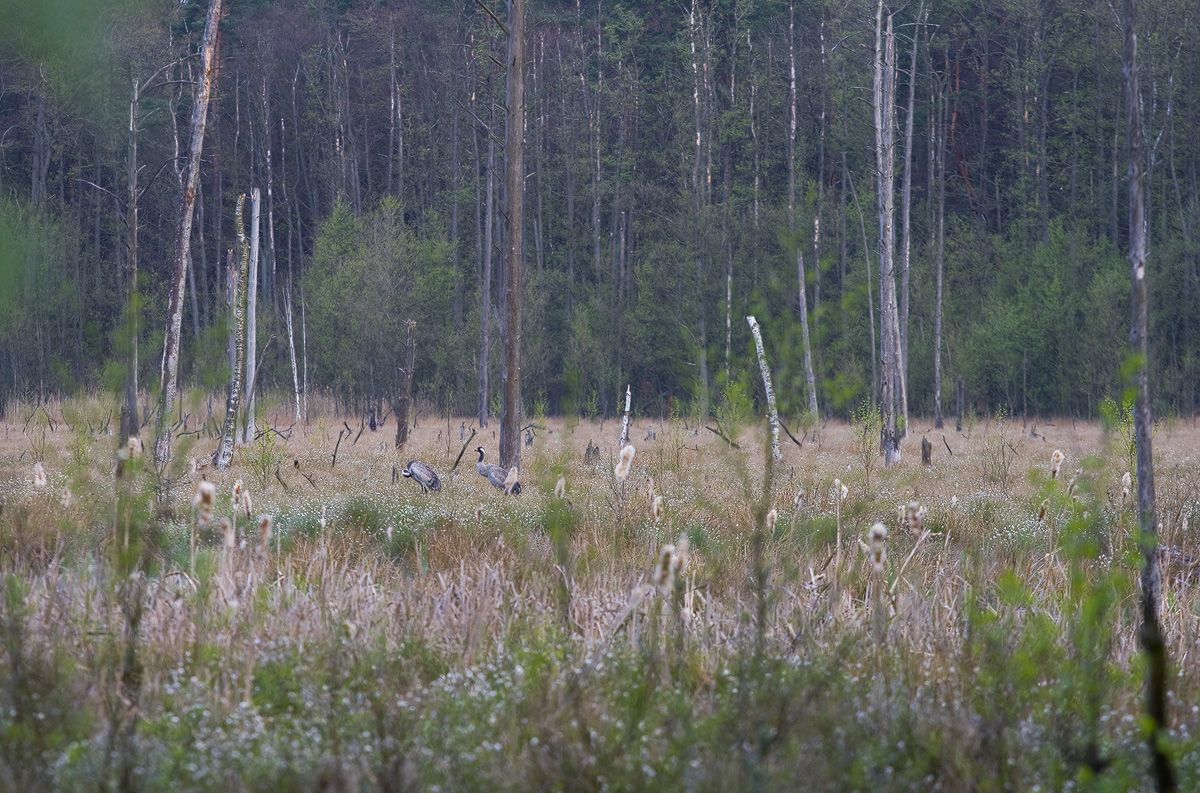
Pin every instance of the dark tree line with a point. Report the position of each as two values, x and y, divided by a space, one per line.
677 159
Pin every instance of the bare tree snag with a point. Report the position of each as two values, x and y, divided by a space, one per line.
772 415
404 406
238 299
514 190
248 428
892 391
183 235
625 421
808 364
1153 643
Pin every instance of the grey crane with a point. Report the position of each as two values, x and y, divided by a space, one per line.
495 474
423 475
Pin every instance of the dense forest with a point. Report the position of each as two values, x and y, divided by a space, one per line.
686 164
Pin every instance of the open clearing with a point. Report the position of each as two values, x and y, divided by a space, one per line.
384 639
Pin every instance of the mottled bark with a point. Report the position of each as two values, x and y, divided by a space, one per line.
183 233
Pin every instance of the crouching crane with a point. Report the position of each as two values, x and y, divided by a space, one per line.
423 475
499 477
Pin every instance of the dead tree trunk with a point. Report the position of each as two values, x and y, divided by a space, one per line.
404 406
906 209
183 235
248 428
772 415
514 191
884 94
1153 643
940 156
238 299
130 423
809 379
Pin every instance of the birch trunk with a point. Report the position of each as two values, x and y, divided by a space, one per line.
766 376
621 441
1153 643
287 308
248 427
229 433
183 234
808 366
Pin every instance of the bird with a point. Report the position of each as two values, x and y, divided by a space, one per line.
423 475
495 474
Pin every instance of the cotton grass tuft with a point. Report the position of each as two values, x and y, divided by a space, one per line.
560 488
1056 461
39 476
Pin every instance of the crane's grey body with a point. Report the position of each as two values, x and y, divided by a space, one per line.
423 475
495 474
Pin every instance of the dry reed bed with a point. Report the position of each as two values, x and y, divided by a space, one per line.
473 574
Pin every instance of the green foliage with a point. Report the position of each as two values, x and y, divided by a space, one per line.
1118 419
868 433
263 457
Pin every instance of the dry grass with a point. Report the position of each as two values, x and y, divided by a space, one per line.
470 639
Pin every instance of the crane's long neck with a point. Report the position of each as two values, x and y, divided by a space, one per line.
480 450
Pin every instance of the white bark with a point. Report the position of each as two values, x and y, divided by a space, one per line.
772 415
808 365
248 428
625 421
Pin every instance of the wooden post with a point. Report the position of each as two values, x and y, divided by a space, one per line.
402 409
926 451
621 441
766 376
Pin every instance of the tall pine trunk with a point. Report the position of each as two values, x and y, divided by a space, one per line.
514 192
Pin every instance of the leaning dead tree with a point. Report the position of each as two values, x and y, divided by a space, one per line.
237 375
772 415
183 237
809 378
1153 643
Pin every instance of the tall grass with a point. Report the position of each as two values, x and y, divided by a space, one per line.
381 638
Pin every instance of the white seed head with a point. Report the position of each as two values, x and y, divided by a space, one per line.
64 498
1042 510
134 444
1126 484
664 571
510 481
1056 461
206 494
621 471
479 512
657 509
878 552
264 533
235 500
560 488
627 454
772 516
798 500
228 537
39 476
246 506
